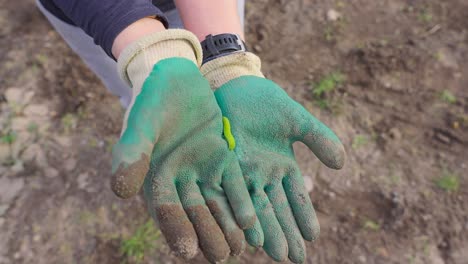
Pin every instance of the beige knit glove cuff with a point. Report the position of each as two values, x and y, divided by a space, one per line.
137 60
223 69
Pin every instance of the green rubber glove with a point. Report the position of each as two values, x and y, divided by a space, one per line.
172 144
265 123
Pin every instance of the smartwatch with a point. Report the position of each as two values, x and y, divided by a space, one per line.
221 45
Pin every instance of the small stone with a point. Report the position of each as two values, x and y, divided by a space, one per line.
14 95
3 209
309 185
332 195
17 255
362 259
36 238
333 15
442 138
51 172
334 229
70 164
82 180
257 48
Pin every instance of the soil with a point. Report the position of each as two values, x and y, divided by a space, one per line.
401 111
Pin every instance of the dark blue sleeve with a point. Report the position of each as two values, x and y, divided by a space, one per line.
103 20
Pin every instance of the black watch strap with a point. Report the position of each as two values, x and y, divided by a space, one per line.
220 45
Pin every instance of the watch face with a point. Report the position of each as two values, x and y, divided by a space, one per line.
220 45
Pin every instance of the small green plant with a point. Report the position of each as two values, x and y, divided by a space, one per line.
69 122
8 138
448 182
327 84
325 87
359 141
33 128
143 240
371 225
448 97
425 16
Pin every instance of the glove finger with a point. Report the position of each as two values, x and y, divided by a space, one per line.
222 212
212 241
320 139
236 191
275 245
296 246
131 154
164 205
301 206
254 235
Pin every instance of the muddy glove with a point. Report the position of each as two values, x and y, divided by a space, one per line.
172 143
265 122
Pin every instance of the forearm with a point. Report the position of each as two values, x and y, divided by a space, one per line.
204 17
104 20
135 31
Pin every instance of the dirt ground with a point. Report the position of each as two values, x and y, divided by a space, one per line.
400 106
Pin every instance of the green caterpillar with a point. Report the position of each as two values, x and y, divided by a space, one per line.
227 133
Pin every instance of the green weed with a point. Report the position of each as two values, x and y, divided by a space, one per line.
8 138
425 16
69 122
324 87
371 225
33 128
143 240
448 182
448 97
359 141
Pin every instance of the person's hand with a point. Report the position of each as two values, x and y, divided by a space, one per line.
265 123
172 144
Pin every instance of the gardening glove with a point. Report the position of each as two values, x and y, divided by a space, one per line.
172 144
265 122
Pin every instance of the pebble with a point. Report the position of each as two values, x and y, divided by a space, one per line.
3 209
333 15
442 138
362 259
36 238
257 48
82 180
309 185
14 95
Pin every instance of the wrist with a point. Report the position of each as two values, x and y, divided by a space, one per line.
135 31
